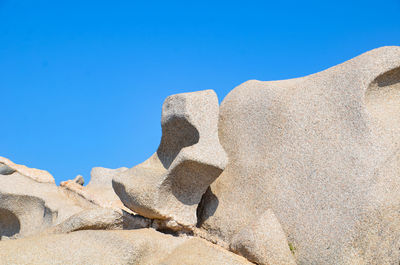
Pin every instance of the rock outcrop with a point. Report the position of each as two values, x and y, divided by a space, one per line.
7 167
299 171
322 152
22 215
99 219
99 190
170 184
142 246
30 201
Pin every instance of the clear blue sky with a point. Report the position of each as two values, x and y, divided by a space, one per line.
82 82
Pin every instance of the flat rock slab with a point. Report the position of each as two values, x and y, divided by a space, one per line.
143 246
7 167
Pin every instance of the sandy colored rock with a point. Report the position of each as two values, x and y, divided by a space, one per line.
99 190
142 246
322 152
28 206
196 251
263 242
100 219
170 184
22 215
313 178
79 180
36 174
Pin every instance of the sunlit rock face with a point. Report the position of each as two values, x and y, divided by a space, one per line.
300 171
140 246
30 201
322 152
170 184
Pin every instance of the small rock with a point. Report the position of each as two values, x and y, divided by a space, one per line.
79 180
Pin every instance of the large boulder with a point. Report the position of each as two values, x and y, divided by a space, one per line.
322 152
170 184
142 246
30 201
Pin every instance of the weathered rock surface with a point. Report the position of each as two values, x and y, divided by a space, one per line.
142 246
23 215
322 152
170 184
99 190
7 167
100 219
313 178
196 251
263 242
28 204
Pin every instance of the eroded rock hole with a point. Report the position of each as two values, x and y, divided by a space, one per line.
383 99
9 223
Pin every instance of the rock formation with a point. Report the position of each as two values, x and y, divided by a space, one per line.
7 167
99 190
141 246
299 171
30 201
170 184
263 242
322 152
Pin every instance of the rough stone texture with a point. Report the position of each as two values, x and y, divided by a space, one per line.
99 190
196 251
170 184
263 242
23 215
322 152
100 219
28 206
8 167
143 246
314 166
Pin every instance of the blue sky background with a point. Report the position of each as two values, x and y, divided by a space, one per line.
82 82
